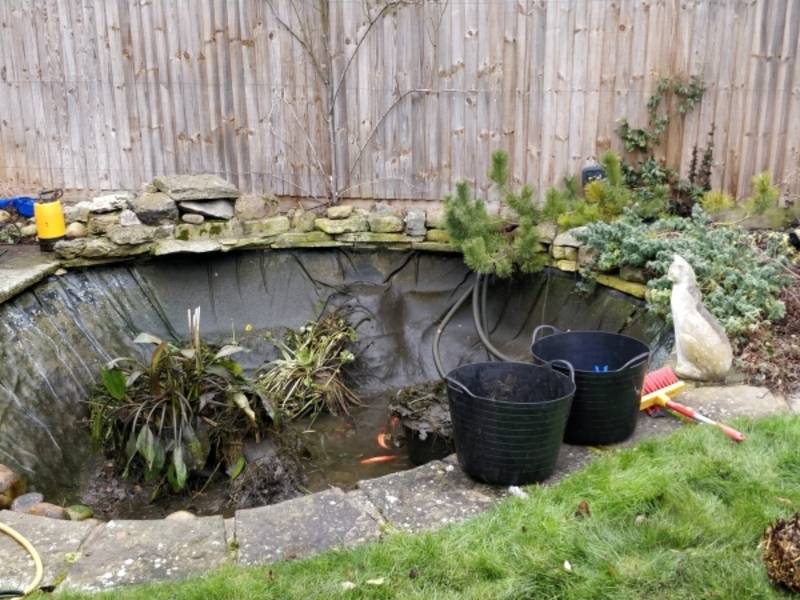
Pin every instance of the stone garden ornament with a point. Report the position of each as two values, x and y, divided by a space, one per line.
704 351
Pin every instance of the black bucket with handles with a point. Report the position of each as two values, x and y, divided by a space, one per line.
508 419
609 376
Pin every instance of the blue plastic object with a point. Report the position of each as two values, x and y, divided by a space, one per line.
22 204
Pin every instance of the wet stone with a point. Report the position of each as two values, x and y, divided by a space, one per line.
11 486
79 512
25 502
48 510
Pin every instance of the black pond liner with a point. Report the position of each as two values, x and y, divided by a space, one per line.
609 375
508 419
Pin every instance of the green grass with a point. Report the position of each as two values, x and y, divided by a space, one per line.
675 517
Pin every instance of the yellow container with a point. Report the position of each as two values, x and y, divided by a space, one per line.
49 224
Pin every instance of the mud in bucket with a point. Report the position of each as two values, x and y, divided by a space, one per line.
609 375
508 419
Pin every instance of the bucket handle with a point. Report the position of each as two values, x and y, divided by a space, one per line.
50 195
536 331
635 360
459 385
565 363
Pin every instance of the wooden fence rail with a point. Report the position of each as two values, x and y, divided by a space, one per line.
385 99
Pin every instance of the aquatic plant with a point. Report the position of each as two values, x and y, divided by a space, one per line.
309 376
173 410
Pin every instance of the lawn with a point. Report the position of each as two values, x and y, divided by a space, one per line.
675 517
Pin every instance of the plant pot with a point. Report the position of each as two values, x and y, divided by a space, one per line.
508 420
609 376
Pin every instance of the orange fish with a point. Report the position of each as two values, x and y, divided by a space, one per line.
378 459
382 440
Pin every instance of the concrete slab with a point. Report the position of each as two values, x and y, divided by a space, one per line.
22 266
430 496
302 527
723 403
57 543
133 552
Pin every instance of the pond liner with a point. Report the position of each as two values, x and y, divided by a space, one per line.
609 376
508 420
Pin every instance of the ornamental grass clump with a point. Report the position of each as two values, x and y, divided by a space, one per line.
170 414
310 375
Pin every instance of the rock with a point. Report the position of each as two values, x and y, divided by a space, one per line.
339 212
149 188
702 346
28 230
99 224
27 501
266 227
195 187
138 234
79 512
154 208
110 203
251 207
5 216
216 209
567 238
337 226
385 221
415 222
586 255
51 511
128 218
208 230
568 266
180 515
165 247
637 290
437 235
547 232
634 274
434 218
97 248
192 218
565 253
303 221
76 230
11 486
310 239
77 212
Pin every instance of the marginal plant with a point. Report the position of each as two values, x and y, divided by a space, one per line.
763 194
172 411
309 377
496 244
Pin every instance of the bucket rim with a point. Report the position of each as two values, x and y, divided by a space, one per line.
455 385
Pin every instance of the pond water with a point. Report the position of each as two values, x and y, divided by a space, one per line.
55 336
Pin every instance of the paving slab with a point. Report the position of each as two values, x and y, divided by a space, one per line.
57 543
431 496
22 266
135 552
303 527
727 402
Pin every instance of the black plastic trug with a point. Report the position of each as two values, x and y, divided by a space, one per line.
508 420
609 375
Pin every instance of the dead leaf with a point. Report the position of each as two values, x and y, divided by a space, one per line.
583 509
378 581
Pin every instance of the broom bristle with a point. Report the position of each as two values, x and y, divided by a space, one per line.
658 380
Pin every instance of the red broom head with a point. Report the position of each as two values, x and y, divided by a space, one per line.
658 380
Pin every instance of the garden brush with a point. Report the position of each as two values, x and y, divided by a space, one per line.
661 385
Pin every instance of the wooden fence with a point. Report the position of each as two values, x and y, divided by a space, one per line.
397 100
